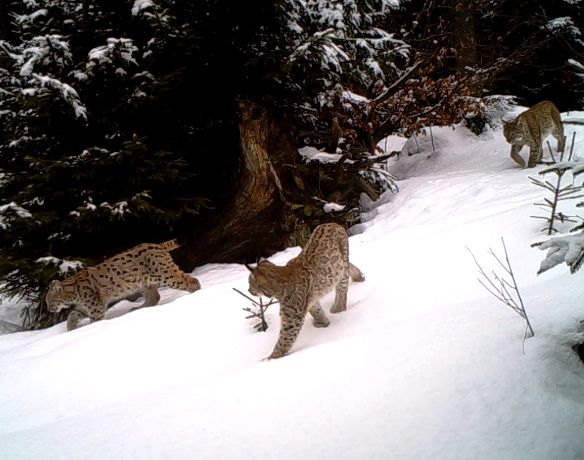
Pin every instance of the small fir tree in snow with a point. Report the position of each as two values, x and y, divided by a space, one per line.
559 193
257 311
568 249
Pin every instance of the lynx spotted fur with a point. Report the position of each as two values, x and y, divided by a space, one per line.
531 128
323 265
139 270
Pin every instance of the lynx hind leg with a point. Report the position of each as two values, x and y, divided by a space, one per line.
515 149
342 287
356 274
558 133
184 282
561 143
319 318
151 296
291 323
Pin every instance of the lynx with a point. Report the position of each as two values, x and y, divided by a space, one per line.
139 270
323 265
531 128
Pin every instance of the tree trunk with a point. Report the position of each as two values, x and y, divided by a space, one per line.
252 223
4 20
464 37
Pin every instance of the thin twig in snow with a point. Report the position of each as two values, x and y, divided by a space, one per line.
501 288
572 146
552 152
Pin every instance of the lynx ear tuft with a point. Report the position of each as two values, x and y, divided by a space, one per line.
249 267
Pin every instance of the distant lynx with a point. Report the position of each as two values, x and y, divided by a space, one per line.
323 265
141 269
531 128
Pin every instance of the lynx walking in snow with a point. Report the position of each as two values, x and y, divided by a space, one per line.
141 269
531 128
323 265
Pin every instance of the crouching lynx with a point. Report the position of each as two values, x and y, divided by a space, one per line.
141 269
323 265
531 128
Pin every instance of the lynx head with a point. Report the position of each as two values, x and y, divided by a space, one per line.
56 297
260 281
512 131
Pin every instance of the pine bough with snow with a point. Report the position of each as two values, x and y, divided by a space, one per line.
567 249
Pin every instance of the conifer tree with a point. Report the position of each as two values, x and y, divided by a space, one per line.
83 171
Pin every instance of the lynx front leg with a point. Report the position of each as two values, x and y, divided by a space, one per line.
291 323
340 303
73 320
319 318
75 316
535 154
515 149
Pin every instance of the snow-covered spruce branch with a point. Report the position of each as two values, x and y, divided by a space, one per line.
568 249
504 287
65 91
257 310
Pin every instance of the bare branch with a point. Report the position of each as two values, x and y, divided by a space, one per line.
507 285
392 89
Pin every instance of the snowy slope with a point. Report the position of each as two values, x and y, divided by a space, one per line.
423 364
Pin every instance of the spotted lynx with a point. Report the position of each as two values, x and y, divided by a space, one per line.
141 269
323 265
531 128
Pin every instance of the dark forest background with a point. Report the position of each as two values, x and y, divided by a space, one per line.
130 121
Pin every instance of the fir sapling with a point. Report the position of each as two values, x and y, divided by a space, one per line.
257 310
558 191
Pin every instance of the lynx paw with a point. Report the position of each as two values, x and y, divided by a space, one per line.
338 309
272 356
321 323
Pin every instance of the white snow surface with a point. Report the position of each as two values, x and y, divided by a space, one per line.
424 364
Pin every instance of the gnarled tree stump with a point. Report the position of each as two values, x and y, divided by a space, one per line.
251 224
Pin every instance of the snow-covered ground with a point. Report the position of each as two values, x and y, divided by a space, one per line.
424 364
